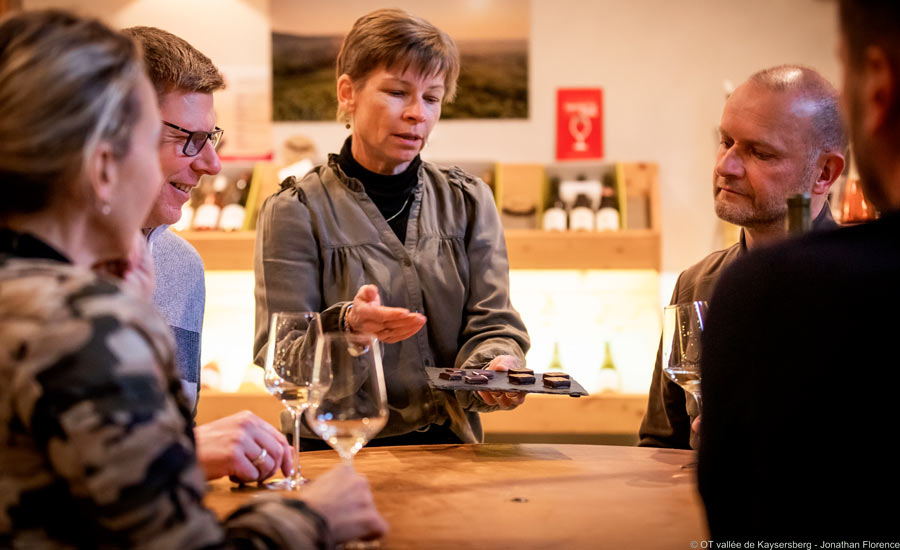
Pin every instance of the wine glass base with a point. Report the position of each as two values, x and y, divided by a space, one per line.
286 484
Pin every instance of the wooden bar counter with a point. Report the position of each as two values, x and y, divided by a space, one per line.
520 496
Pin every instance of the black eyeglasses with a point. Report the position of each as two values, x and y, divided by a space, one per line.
196 140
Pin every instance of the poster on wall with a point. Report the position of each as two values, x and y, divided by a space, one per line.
492 37
242 108
579 124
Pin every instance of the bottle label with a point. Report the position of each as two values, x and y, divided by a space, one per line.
582 219
607 219
554 219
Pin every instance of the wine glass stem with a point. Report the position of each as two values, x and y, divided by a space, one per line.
295 473
696 395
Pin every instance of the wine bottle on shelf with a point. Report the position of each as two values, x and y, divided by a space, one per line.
608 218
555 362
555 218
799 219
608 379
582 217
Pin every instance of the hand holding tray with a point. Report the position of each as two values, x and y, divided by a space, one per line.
500 382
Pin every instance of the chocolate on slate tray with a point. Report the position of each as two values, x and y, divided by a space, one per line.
521 379
557 382
450 375
476 379
489 374
555 374
520 371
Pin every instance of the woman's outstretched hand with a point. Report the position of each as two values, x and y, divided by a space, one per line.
388 324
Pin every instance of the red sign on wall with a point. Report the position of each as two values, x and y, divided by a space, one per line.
579 123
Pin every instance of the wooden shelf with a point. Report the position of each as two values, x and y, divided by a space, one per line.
551 414
223 250
528 249
536 249
540 414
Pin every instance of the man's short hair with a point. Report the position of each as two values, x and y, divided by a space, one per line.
867 23
871 22
828 132
173 64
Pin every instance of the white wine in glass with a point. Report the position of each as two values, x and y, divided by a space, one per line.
682 328
349 403
290 359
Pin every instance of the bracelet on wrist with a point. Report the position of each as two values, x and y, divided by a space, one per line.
345 318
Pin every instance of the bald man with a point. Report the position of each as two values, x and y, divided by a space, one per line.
781 134
800 361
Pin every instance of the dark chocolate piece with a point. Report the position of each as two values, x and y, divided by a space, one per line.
555 374
454 371
476 379
521 379
481 372
450 375
557 382
520 371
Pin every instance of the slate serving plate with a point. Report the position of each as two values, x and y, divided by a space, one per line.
500 382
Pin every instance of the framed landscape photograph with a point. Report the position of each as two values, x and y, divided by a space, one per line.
492 36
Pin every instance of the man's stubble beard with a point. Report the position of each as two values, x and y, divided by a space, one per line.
770 213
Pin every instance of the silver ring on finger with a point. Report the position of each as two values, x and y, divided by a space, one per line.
260 459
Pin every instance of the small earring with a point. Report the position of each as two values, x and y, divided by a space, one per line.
347 126
105 209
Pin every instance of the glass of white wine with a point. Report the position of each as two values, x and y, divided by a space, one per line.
682 328
290 359
349 400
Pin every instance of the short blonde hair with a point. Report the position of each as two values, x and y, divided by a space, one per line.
66 83
394 38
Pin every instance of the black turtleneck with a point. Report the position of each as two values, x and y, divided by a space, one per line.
392 194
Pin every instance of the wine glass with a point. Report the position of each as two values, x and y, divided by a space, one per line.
682 327
290 358
349 403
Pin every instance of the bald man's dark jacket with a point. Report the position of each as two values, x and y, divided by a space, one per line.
667 422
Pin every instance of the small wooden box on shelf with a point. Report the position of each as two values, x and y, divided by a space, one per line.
528 248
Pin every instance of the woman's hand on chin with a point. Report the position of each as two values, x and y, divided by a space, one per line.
388 324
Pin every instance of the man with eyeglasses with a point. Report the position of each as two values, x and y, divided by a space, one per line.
242 446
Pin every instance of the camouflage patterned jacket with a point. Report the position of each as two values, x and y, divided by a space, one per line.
97 449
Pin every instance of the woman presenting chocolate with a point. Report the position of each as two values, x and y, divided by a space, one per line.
376 227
